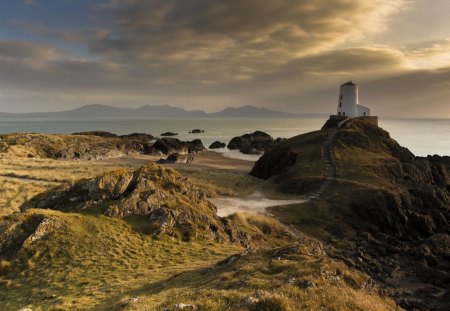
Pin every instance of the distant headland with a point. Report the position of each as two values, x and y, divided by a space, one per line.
160 111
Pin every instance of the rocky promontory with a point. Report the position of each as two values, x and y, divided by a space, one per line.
85 145
388 207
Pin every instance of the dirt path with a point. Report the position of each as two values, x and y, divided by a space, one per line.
26 179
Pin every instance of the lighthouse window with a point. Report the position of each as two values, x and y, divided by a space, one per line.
341 96
340 104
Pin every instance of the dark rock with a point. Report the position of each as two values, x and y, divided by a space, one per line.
140 136
177 158
257 142
197 131
170 145
396 222
250 150
169 134
195 146
217 145
96 133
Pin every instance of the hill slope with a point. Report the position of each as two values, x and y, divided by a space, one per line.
387 213
149 240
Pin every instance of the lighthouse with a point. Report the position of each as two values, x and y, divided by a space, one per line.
348 102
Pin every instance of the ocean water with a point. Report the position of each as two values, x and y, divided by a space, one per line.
421 136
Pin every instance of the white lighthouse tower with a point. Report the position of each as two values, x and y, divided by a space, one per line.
348 103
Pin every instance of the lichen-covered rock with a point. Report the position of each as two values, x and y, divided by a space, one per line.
45 227
18 232
173 205
109 186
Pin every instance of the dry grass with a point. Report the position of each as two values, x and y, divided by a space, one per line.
22 178
97 262
219 182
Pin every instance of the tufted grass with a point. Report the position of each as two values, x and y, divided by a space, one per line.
96 262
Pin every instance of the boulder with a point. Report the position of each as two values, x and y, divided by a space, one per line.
170 145
257 142
217 145
195 146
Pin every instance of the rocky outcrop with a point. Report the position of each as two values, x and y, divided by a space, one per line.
165 134
18 232
169 145
254 143
196 131
173 206
177 158
395 207
88 145
96 133
217 145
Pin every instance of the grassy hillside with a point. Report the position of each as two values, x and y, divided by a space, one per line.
93 262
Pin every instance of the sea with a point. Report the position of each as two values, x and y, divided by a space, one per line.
422 136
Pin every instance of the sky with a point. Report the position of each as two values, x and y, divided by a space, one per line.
288 55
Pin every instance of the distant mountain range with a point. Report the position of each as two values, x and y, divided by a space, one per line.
161 111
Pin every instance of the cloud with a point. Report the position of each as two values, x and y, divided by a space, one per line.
249 36
429 54
202 54
25 50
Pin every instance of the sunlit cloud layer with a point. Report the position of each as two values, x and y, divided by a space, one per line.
202 54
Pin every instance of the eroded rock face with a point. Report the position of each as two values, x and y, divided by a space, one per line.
254 143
